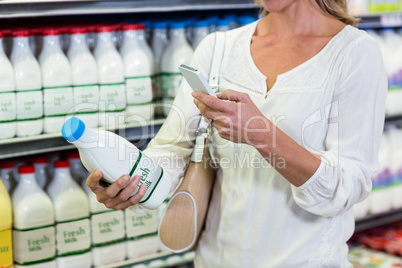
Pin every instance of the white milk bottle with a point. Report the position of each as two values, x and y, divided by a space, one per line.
177 52
56 77
6 249
108 228
201 30
34 233
28 84
41 171
138 68
6 174
158 43
142 231
8 108
73 233
112 90
115 156
85 78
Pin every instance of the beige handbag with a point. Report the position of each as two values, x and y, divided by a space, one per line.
183 219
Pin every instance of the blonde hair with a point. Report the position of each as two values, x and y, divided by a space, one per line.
337 9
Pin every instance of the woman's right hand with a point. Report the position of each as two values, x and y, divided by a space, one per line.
116 196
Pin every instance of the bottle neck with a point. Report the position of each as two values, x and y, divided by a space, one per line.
62 175
28 180
21 44
5 173
52 42
78 41
104 39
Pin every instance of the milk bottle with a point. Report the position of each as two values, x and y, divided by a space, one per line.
158 43
138 68
56 77
85 78
8 109
34 232
142 227
232 21
177 52
201 30
6 248
28 84
72 219
41 172
223 25
115 156
108 229
6 174
112 90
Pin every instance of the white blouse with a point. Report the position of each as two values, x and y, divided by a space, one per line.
332 105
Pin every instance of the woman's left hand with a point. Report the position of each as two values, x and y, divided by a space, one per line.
235 117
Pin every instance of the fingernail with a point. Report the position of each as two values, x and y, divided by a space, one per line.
143 188
194 94
126 178
218 93
137 179
99 174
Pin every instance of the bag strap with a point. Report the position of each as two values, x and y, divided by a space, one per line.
204 129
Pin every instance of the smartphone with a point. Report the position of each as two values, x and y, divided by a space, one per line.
196 80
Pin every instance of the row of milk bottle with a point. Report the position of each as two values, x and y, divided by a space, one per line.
390 43
103 88
387 181
66 226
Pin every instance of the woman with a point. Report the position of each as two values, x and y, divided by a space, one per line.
297 142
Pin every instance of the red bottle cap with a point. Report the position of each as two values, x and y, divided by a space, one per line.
73 155
133 27
26 169
36 31
104 29
78 30
21 33
61 164
50 32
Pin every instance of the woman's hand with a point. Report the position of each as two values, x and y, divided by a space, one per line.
114 196
238 120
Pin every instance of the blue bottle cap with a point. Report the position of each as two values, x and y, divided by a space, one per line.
73 129
159 25
177 25
201 23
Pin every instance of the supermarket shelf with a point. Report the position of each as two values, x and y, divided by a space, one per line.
36 8
393 119
381 20
378 220
43 143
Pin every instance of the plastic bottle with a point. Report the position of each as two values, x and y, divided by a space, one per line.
91 36
8 108
6 248
201 30
139 69
142 232
72 219
232 20
34 232
41 172
177 52
85 78
115 156
56 77
158 43
108 229
6 174
112 91
28 84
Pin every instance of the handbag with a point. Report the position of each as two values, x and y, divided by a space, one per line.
183 219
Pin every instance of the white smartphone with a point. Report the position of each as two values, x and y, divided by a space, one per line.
196 80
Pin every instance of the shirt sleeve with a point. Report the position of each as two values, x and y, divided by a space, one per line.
355 126
172 146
